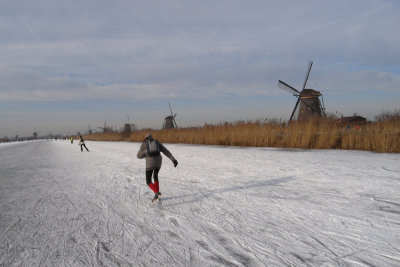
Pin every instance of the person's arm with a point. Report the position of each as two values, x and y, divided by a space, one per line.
142 153
166 152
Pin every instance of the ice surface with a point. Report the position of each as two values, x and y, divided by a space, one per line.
220 206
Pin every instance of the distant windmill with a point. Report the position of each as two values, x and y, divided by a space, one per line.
169 121
35 134
128 127
105 128
310 105
90 130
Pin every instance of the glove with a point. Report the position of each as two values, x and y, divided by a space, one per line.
175 163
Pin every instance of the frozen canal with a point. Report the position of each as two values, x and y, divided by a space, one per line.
220 206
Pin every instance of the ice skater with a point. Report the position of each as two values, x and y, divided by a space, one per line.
150 149
82 143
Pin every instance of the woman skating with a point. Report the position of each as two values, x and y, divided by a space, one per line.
150 149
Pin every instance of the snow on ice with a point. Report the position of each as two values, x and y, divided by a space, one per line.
220 206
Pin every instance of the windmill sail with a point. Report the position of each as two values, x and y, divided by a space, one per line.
173 116
294 110
288 88
176 125
307 74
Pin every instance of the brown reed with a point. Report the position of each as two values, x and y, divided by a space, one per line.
380 136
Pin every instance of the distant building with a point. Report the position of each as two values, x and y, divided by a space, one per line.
352 121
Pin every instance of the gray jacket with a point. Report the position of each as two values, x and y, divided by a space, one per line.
153 162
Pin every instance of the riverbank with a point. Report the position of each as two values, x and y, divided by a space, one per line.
380 136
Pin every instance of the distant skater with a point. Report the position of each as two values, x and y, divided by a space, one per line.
82 143
150 149
72 140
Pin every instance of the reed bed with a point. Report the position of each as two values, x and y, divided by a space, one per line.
380 136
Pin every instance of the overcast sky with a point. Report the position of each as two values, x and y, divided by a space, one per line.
65 65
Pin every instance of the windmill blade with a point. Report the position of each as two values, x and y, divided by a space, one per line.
288 88
307 73
176 125
322 104
172 115
170 109
294 110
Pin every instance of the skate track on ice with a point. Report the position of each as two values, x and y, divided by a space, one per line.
220 206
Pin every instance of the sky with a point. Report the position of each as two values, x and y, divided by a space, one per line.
66 66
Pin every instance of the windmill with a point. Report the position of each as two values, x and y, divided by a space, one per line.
35 134
128 128
105 128
169 121
310 105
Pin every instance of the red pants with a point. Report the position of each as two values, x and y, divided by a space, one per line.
154 186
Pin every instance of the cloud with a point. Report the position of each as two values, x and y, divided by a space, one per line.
150 81
360 81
